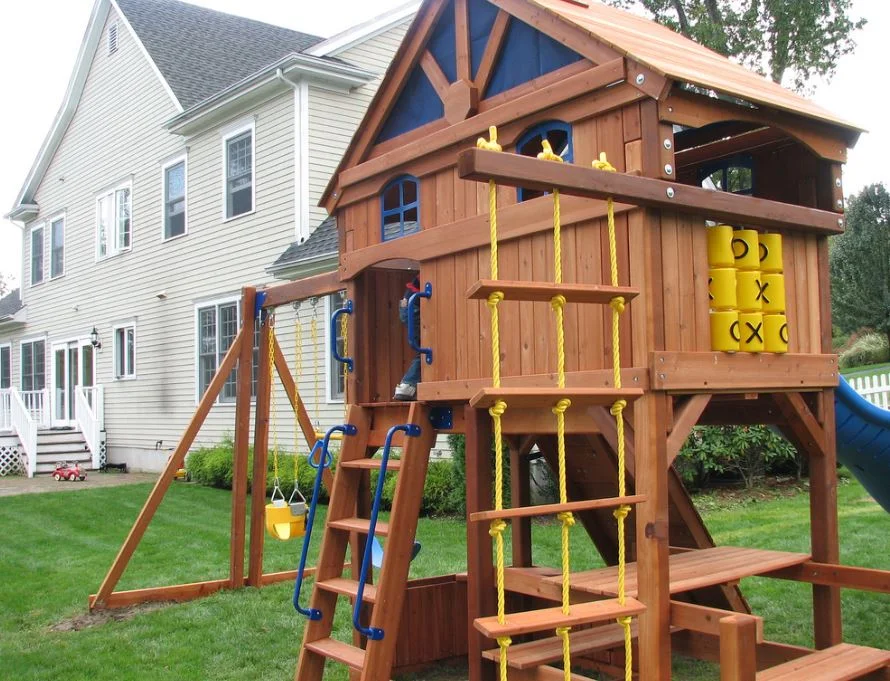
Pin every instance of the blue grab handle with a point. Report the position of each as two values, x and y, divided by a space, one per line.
346 309
412 301
373 633
325 459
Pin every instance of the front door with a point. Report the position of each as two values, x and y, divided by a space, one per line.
67 367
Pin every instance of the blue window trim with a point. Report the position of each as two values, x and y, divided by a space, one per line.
542 130
401 209
723 166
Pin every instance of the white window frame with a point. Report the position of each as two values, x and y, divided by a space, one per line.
112 247
123 326
27 341
215 302
182 158
228 133
55 218
330 398
9 375
34 228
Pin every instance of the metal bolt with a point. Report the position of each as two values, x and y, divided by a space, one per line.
668 169
670 192
640 79
837 183
840 222
840 203
671 109
668 144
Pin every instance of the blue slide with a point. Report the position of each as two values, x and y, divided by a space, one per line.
863 441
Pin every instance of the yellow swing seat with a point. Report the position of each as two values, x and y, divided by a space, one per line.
286 520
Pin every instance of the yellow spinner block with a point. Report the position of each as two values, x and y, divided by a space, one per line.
722 288
770 246
725 330
775 333
720 246
773 293
749 291
745 249
751 331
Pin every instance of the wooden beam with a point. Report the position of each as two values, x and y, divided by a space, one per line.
462 39
690 372
799 423
435 74
532 173
301 289
260 459
708 620
843 576
492 50
174 463
243 389
738 648
745 142
684 420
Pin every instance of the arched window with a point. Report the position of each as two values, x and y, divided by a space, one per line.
559 135
734 174
400 208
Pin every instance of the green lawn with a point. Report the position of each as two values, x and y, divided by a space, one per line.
56 548
869 370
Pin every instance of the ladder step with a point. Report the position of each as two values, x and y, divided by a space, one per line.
348 587
540 291
532 397
550 618
349 655
372 464
842 662
546 650
361 525
552 509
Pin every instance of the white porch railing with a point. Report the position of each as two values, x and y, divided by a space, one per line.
876 389
5 407
25 426
37 404
89 412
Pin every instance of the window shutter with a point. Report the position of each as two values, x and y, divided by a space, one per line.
112 39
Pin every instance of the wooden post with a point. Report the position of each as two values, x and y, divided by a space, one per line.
651 478
242 438
260 461
480 575
738 648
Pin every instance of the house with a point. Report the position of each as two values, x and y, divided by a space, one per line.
191 149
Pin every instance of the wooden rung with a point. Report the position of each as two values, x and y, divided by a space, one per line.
532 397
372 464
348 587
361 525
550 618
552 509
842 662
540 291
546 650
349 655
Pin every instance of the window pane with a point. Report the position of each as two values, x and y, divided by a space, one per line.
37 255
131 352
176 181
119 369
27 367
5 367
337 379
39 365
409 192
206 347
228 329
174 200
122 197
103 218
239 175
57 263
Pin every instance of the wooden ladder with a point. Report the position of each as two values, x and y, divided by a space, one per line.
374 662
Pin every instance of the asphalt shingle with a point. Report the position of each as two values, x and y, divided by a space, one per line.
10 303
323 241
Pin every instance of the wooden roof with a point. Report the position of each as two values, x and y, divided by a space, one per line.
680 58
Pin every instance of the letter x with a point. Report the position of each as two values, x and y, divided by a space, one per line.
761 290
755 332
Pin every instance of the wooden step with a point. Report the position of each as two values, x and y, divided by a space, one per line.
550 618
842 662
532 397
352 657
541 291
361 525
553 509
348 587
546 650
372 464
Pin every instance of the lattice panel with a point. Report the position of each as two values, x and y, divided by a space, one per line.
103 450
12 460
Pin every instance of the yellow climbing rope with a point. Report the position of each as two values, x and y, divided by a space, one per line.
558 304
497 527
617 303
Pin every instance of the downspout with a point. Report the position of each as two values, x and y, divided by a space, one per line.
299 180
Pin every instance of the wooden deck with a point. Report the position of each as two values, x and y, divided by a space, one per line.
689 570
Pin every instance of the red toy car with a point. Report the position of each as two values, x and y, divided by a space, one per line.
68 471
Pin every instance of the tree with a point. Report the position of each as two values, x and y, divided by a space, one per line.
859 260
798 38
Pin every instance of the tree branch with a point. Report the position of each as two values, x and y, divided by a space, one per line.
681 15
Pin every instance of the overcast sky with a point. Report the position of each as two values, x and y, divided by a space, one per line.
34 72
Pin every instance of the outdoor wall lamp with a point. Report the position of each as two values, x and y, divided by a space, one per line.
94 339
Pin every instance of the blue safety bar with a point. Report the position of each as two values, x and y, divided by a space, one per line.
325 459
412 301
373 633
346 309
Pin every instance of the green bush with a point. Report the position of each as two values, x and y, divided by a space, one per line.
871 348
459 465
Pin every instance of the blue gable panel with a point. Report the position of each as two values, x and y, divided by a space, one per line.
417 105
442 43
527 54
482 16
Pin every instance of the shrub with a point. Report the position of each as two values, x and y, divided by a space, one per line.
871 348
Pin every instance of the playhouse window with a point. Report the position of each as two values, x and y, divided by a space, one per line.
400 208
559 135
735 175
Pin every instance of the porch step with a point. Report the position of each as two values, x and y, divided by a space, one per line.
61 448
843 662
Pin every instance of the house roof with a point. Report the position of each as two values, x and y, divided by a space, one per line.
10 304
201 51
321 244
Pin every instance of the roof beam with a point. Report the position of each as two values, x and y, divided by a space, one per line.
492 50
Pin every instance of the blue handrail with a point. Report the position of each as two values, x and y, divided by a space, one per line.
412 301
373 633
325 459
346 309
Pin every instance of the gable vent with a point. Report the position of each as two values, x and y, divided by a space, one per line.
112 39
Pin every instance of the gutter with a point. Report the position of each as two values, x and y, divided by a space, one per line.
20 212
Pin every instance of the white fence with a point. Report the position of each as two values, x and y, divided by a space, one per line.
25 426
89 410
876 389
5 409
